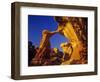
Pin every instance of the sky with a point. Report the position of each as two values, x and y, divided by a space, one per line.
36 24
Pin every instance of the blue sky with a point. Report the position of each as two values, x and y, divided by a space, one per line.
36 24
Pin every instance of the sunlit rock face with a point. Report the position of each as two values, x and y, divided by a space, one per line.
75 29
